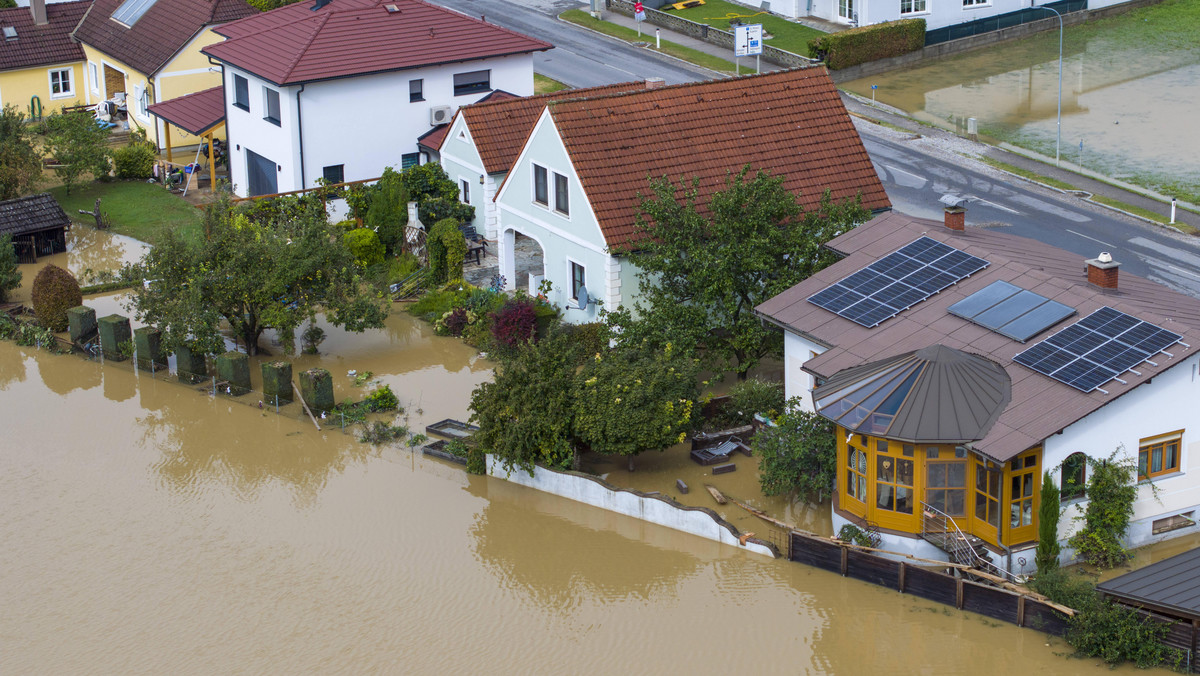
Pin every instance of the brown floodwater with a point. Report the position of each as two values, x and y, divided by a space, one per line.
150 528
89 251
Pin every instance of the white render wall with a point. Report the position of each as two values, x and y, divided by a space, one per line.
797 382
248 129
938 14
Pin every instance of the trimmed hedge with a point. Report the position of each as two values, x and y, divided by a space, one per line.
54 292
869 43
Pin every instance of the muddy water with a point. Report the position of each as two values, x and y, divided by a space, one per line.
87 249
148 529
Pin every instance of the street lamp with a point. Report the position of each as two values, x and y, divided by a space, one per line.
1058 142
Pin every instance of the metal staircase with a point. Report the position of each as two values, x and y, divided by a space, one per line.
940 529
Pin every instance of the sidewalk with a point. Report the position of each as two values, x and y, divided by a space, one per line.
648 29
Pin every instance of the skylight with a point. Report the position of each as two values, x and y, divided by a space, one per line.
132 10
10 33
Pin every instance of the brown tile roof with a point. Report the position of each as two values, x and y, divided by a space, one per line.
294 44
791 123
433 138
500 128
33 213
42 45
1040 405
153 40
194 113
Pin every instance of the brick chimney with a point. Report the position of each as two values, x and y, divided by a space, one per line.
1102 271
38 9
655 82
956 218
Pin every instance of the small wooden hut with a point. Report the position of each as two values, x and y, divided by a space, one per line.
37 224
1169 590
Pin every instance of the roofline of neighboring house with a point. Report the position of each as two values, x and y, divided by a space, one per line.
43 64
158 70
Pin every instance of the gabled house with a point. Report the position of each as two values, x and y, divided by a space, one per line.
573 188
936 13
342 89
41 67
149 50
959 364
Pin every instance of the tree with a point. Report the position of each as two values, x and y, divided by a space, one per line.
704 267
10 274
629 401
388 213
79 145
798 454
54 292
254 276
20 162
1111 492
435 194
1046 556
8 4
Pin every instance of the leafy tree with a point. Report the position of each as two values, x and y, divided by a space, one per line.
79 145
252 275
20 162
798 454
10 274
365 246
436 195
704 267
1111 492
629 401
8 4
1048 514
388 213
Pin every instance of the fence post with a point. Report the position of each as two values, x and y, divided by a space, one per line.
845 560
1021 611
958 593
277 403
903 572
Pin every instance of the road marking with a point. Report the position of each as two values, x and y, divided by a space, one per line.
1189 273
998 206
1080 234
901 171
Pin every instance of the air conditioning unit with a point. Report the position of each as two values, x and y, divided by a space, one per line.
439 115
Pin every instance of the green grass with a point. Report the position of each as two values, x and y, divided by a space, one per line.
545 85
582 18
1145 213
1025 173
135 208
787 35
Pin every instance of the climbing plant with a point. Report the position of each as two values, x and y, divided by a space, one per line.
798 454
1046 556
1111 492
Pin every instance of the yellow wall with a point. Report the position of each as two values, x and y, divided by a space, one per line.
17 87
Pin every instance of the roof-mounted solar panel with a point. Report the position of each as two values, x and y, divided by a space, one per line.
132 10
897 281
1011 311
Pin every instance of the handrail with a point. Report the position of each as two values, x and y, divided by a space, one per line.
963 550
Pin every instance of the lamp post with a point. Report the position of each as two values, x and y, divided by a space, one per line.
1058 141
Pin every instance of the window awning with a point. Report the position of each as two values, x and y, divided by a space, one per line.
194 113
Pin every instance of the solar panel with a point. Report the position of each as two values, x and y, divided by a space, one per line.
897 281
1011 311
1096 349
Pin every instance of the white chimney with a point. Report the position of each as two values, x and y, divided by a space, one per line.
38 9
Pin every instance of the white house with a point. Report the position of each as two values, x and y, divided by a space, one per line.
959 364
573 186
936 13
341 89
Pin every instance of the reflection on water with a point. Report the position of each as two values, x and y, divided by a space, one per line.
87 248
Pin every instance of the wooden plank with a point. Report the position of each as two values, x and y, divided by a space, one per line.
724 469
845 561
300 397
681 487
1020 611
900 577
958 593
870 568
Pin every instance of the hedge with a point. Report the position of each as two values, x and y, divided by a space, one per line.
869 43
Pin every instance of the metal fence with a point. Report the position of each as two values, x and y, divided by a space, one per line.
995 23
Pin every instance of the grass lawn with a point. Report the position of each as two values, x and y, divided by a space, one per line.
545 85
1024 173
788 35
582 18
138 209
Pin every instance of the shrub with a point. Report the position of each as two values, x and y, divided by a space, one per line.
347 225
752 396
1048 513
379 432
10 274
855 536
455 321
1111 492
476 460
386 209
515 323
135 160
799 455
54 292
402 266
365 246
447 250
869 43
382 399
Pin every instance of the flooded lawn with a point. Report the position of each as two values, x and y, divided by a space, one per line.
87 249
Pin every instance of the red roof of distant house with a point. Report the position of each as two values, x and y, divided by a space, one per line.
41 45
294 44
790 123
194 113
154 39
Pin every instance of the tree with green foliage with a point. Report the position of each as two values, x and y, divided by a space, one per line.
1046 556
365 246
20 162
388 213
435 194
254 276
633 400
268 5
447 251
705 266
1111 491
79 145
798 454
8 4
10 274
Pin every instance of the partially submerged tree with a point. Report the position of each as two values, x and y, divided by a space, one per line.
10 274
1046 556
704 267
254 276
388 213
79 145
20 163
797 455
54 292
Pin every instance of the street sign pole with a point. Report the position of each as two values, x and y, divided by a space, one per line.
639 15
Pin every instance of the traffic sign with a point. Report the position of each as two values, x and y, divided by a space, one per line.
747 40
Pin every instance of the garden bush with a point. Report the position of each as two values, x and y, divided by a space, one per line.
400 267
382 399
365 246
135 160
54 292
515 323
1111 491
869 43
10 273
752 396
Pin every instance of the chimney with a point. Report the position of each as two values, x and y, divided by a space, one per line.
655 82
1102 271
38 9
956 218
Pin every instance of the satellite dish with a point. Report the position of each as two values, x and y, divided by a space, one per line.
583 298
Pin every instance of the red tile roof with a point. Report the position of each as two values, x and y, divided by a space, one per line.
153 40
194 113
790 123
42 45
294 44
433 138
1040 406
500 128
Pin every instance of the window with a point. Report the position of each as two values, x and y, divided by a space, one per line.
893 479
1074 477
1158 456
856 472
334 173
846 9
416 90
271 106
912 6
143 102
561 196
578 279
60 83
95 77
132 10
987 493
946 486
464 192
976 3
541 188
1023 476
241 93
408 160
475 81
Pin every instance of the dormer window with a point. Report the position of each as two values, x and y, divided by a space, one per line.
131 10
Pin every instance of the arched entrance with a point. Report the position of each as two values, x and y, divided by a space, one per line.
522 261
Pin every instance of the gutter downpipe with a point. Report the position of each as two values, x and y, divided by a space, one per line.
300 135
228 135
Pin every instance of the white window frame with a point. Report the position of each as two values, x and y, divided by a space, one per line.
70 90
846 10
267 92
916 7
551 203
972 4
566 196
571 290
94 72
533 185
464 190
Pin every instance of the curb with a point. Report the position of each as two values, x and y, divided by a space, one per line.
716 75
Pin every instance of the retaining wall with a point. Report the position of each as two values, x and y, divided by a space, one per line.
655 509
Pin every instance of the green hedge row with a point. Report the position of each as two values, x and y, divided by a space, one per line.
869 43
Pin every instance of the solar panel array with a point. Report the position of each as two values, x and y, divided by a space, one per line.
1011 311
897 281
1096 349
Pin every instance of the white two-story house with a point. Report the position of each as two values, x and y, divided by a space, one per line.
341 89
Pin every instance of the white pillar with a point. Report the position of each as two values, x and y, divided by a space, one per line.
612 282
508 260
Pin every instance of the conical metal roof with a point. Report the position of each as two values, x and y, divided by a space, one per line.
934 395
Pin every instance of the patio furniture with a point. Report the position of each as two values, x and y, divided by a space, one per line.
715 454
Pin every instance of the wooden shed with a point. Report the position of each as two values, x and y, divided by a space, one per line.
1169 591
37 224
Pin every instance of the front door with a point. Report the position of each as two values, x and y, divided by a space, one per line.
261 177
